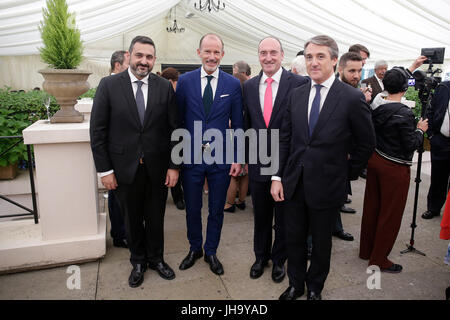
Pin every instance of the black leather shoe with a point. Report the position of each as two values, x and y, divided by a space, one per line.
257 269
343 235
278 273
120 243
189 260
363 174
430 215
214 264
230 209
346 209
137 275
348 200
311 295
291 294
180 205
241 205
395 268
163 269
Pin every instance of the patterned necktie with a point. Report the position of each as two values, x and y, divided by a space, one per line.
140 102
268 102
208 96
315 108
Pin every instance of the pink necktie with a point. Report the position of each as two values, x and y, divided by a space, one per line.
268 101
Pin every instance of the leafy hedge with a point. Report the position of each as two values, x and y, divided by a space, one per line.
89 94
19 110
413 95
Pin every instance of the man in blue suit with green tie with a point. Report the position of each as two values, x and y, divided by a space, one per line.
208 98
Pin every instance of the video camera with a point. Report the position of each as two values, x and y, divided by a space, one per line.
426 82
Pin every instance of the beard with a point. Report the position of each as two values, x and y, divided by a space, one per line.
353 84
140 72
209 68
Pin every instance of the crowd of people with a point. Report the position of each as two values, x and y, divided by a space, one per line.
333 128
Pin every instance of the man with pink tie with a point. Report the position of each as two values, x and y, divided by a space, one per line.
265 98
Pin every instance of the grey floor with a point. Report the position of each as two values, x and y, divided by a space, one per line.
423 278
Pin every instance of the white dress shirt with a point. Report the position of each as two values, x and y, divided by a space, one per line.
380 82
135 86
144 89
445 128
214 80
263 85
326 85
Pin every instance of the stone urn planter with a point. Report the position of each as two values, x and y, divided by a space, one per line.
66 85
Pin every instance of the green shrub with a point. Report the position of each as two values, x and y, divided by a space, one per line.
19 110
63 48
413 95
89 94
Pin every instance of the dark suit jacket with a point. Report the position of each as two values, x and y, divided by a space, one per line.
117 137
253 115
376 89
227 105
440 144
322 159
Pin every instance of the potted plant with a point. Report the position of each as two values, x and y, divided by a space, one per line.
63 52
18 110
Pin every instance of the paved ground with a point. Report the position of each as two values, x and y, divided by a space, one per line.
423 278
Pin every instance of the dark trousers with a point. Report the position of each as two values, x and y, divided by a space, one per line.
264 209
115 216
177 191
193 181
440 174
143 205
385 198
338 226
299 218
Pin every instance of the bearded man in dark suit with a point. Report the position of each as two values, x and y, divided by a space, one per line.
133 116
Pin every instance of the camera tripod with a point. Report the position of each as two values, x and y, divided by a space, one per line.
425 97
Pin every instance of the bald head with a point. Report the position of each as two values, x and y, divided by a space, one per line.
209 36
270 53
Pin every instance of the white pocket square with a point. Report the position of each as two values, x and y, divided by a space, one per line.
224 95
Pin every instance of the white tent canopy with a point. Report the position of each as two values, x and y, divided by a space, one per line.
393 30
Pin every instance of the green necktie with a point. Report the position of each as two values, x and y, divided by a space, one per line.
208 96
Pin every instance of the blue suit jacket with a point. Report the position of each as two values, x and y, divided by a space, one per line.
227 105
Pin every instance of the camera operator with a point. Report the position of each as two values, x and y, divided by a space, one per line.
388 171
438 132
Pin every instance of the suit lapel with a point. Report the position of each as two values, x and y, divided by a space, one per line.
303 112
328 108
283 88
151 97
376 84
197 87
219 91
129 95
257 102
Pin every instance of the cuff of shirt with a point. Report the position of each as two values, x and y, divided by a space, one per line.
276 178
104 174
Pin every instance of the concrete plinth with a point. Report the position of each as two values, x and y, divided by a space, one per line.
70 227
